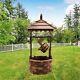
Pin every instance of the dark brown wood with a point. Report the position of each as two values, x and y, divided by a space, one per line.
38 66
30 44
50 48
40 30
41 36
41 17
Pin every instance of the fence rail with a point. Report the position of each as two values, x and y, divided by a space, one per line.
13 47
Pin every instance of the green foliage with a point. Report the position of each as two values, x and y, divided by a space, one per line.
76 15
13 28
68 36
6 26
5 32
21 30
20 12
58 35
68 21
8 4
72 21
21 24
64 35
3 13
76 21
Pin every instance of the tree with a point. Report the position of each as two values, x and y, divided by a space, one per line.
21 32
20 12
58 35
79 31
3 13
76 21
68 21
13 30
8 5
5 32
22 22
68 36
72 22
6 26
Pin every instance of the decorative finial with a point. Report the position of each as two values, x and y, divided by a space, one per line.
41 17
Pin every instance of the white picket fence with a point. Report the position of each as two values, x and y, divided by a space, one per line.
61 44
13 47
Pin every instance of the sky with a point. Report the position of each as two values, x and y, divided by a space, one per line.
53 11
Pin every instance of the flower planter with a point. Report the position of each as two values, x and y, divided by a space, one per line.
40 65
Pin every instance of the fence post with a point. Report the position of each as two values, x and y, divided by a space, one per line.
22 46
12 47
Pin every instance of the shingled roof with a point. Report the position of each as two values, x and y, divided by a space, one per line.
41 25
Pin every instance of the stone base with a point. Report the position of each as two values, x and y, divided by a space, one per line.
40 65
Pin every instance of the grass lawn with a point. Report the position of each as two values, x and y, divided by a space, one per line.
65 65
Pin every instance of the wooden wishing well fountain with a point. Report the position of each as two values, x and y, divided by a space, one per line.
40 64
